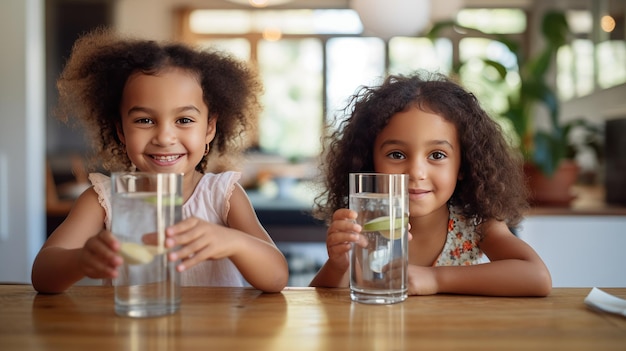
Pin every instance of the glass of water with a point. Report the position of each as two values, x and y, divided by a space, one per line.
378 272
143 206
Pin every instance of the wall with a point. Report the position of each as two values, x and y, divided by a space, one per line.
602 105
160 12
580 251
22 110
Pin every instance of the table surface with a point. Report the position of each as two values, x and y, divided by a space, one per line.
307 319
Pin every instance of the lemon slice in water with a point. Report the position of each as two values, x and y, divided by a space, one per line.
383 224
134 253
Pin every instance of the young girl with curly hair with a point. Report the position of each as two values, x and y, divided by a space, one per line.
466 189
162 108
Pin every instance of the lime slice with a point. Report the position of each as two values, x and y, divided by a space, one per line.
166 200
134 253
383 224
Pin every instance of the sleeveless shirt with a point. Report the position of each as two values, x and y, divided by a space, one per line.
209 202
461 247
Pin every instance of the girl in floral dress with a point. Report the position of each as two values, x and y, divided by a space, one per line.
466 189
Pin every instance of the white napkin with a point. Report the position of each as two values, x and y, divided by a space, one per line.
606 302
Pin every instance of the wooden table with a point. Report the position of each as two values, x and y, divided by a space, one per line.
307 319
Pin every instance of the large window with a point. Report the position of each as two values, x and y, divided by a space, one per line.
575 76
352 62
410 54
596 58
292 73
311 62
484 80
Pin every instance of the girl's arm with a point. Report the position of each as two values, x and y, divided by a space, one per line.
77 248
514 269
257 258
341 233
330 276
243 240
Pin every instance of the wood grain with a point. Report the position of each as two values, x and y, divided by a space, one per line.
307 319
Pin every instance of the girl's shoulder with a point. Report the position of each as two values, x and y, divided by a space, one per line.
461 246
210 199
99 178
220 183
463 222
102 186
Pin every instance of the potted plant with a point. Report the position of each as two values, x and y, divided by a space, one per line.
548 153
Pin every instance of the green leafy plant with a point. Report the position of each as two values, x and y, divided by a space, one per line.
543 148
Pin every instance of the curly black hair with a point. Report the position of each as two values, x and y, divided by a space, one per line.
492 185
91 84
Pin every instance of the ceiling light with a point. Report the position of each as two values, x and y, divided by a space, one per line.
260 3
391 18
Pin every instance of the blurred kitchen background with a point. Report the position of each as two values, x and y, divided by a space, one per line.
311 55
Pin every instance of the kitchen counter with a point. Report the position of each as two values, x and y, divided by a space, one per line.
588 201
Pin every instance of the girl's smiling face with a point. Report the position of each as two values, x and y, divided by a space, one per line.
165 122
426 147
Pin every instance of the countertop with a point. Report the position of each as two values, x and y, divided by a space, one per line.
588 201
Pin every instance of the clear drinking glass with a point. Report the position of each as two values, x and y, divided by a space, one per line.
143 206
378 272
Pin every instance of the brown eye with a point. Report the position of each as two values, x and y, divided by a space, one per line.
143 121
185 120
396 155
438 155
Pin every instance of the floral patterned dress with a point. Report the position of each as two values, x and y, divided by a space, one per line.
461 247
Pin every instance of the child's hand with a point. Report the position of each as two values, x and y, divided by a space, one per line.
342 232
199 240
99 256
